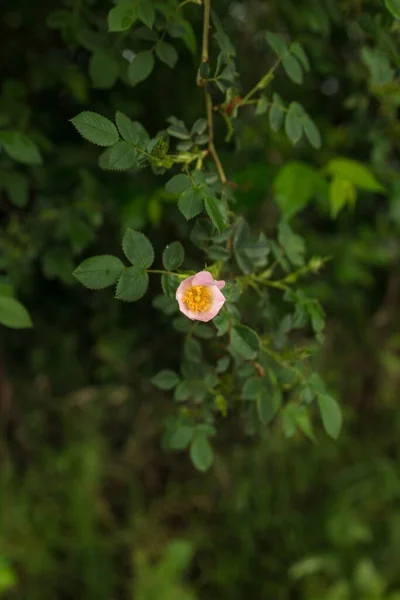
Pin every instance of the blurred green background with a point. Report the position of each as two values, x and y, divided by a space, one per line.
92 507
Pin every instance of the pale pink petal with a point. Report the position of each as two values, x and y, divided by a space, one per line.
180 292
218 300
220 284
203 278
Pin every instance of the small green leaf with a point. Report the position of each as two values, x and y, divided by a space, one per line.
96 129
299 52
276 113
16 185
201 453
182 391
277 43
103 70
99 272
20 147
245 342
292 68
167 54
177 184
121 17
292 244
192 350
218 253
331 415
122 156
146 13
132 284
138 249
169 284
141 67
13 314
179 131
191 202
181 437
393 6
132 131
252 388
262 106
218 213
199 127
312 132
355 172
165 380
293 123
341 192
294 187
173 256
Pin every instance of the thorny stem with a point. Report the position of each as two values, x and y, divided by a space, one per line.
209 104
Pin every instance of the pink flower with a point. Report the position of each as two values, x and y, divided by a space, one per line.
199 297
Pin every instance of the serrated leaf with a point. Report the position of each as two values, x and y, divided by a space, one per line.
199 127
331 415
138 249
169 284
141 67
99 272
13 314
179 131
131 131
245 342
201 453
132 284
165 380
222 322
299 52
177 184
96 128
167 54
103 70
277 43
312 132
355 172
218 213
292 68
252 388
191 202
294 187
181 437
182 391
341 192
192 350
292 244
293 123
122 156
146 13
276 113
121 17
173 256
218 253
20 147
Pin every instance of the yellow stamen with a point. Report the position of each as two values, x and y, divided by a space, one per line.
198 298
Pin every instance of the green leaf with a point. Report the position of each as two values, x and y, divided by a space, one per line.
341 192
132 284
141 67
292 68
179 131
191 202
99 272
293 122
192 350
312 132
298 50
122 156
181 437
177 184
182 391
292 244
167 54
276 113
218 213
138 249
121 17
331 415
393 6
131 131
277 43
252 388
17 187
20 147
165 380
169 284
96 128
173 256
355 172
222 322
262 106
294 187
218 253
201 453
13 314
199 127
146 13
103 70
245 342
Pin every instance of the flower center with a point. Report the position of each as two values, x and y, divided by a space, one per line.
198 298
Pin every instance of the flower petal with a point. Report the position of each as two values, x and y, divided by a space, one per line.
220 284
218 300
180 292
203 278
